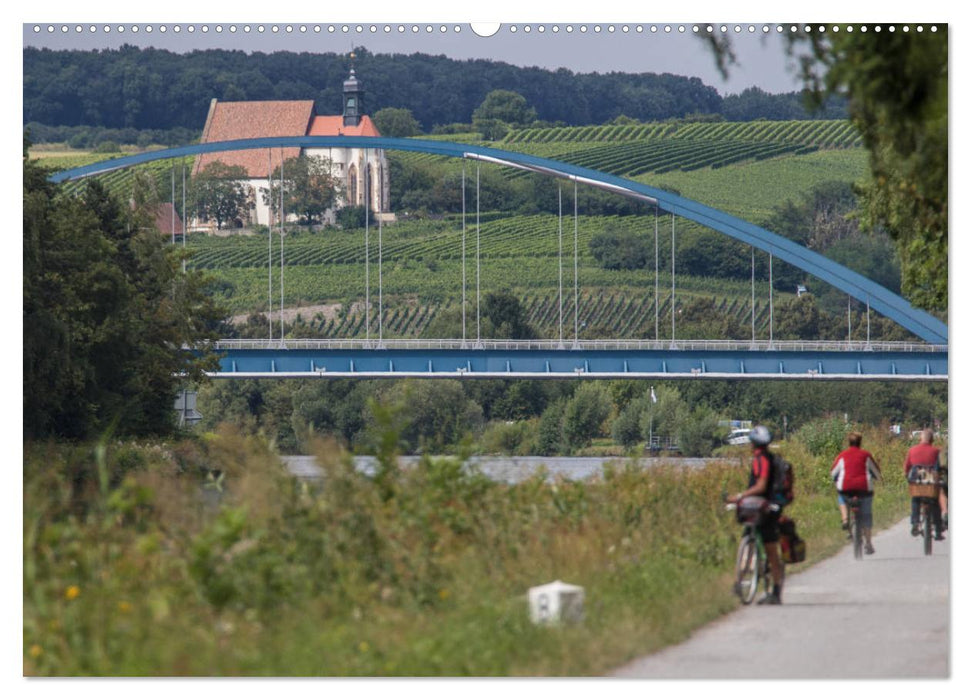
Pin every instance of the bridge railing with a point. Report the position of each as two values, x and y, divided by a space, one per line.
582 345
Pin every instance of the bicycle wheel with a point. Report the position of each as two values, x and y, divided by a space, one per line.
928 526
857 534
747 567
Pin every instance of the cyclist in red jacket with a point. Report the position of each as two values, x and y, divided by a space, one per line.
854 471
924 455
760 484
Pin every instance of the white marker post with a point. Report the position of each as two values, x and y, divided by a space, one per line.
555 602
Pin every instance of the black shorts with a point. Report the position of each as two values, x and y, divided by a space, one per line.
769 527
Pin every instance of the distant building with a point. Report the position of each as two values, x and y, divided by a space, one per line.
168 221
357 171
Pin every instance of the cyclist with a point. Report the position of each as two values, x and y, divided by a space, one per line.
853 472
760 484
925 455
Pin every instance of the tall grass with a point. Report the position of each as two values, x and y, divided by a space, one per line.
206 558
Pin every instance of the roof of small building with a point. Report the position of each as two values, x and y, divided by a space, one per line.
248 120
333 125
163 220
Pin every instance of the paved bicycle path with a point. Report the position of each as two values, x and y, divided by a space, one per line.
887 616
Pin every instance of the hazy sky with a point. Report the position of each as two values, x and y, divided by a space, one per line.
762 60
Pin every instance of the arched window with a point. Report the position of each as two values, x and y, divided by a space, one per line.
352 185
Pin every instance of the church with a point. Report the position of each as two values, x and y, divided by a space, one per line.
361 172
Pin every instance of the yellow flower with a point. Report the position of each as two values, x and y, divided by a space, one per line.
72 592
124 606
363 647
36 651
444 594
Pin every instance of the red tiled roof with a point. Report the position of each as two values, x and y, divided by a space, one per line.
247 120
333 125
163 220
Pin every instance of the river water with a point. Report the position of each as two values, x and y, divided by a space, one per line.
508 469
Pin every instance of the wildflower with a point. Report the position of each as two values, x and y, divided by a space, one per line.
36 651
363 647
444 594
124 607
72 592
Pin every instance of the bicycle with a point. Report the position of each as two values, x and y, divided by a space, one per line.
856 530
751 561
924 484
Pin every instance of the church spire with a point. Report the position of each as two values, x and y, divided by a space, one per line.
353 99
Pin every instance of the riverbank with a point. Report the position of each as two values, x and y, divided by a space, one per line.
207 558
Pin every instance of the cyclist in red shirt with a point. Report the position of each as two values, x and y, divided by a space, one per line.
924 455
760 484
854 471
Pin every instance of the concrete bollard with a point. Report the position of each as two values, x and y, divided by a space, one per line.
555 602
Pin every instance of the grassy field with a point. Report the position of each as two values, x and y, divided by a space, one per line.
138 562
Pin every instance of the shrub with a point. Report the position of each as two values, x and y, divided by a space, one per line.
826 436
620 250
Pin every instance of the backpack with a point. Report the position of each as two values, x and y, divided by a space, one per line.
783 481
793 546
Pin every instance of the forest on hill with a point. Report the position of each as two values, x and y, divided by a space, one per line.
155 89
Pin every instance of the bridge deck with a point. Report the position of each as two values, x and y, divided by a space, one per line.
548 359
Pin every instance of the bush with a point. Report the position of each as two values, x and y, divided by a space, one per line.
509 437
826 436
620 250
353 217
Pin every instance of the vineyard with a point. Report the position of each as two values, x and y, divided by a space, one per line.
604 313
119 182
818 133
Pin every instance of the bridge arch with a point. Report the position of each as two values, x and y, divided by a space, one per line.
881 299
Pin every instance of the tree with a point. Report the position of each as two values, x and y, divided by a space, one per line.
505 314
505 106
107 313
499 110
435 414
396 122
699 432
309 188
620 250
896 84
217 192
584 414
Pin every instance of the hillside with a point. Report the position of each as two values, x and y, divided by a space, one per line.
749 169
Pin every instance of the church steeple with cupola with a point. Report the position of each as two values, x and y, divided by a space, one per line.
353 100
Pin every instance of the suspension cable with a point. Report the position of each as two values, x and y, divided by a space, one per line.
269 241
559 187
282 220
657 304
868 320
183 216
367 259
380 281
478 319
672 278
576 269
770 301
173 203
463 254
849 320
753 294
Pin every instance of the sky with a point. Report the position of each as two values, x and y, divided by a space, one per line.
589 47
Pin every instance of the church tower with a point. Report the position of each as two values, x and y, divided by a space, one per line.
353 100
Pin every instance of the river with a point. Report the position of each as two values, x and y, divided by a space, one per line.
507 469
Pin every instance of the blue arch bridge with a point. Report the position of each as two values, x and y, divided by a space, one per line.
925 360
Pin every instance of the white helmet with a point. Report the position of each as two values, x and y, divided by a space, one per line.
760 435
